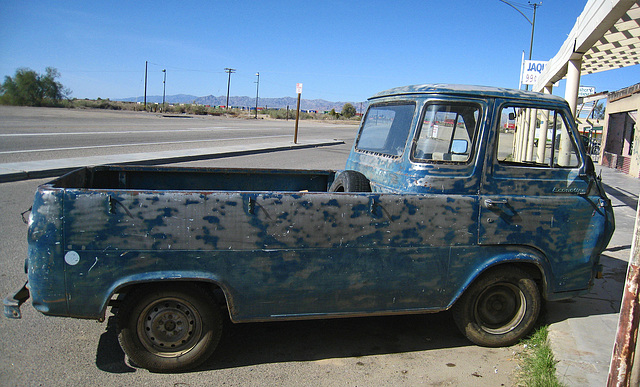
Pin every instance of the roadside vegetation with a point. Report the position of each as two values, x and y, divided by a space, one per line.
202 110
538 366
28 88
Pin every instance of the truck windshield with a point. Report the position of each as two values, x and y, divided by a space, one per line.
386 127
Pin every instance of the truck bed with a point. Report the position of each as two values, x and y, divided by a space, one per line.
261 235
113 177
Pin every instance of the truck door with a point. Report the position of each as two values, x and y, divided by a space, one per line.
535 193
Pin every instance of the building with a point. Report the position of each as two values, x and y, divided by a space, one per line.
620 146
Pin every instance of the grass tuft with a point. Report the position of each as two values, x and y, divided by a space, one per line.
538 367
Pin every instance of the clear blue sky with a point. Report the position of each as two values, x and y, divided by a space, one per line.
339 50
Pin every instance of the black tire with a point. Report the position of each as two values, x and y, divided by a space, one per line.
350 181
169 328
499 308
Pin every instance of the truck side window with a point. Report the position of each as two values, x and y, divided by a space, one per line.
535 137
386 127
447 133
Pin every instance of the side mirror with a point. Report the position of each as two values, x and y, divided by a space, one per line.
512 116
459 147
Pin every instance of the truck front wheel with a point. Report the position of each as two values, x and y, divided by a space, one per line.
499 308
169 328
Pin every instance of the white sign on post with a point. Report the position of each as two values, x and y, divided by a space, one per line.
298 88
585 91
531 70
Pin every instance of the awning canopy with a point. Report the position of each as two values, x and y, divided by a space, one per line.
619 47
606 36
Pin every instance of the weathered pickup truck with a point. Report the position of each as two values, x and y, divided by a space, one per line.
474 199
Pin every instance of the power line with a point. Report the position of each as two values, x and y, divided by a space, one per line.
175 68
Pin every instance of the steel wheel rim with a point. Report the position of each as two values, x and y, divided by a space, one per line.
500 308
169 327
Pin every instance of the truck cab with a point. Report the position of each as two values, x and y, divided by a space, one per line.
509 170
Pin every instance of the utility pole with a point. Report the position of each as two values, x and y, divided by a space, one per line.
164 88
229 71
145 85
257 88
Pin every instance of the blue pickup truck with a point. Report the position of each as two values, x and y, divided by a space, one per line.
475 199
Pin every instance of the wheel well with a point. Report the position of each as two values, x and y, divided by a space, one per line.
217 294
500 307
530 268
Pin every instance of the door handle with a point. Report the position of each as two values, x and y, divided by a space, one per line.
490 203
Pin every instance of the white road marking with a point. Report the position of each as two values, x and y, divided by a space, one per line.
142 144
119 132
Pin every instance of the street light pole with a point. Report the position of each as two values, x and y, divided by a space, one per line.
164 88
533 26
229 71
532 22
257 88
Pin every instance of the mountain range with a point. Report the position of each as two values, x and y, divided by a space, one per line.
305 104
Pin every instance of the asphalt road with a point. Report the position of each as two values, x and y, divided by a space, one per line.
41 350
33 134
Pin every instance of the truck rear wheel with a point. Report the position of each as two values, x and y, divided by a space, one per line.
350 181
169 328
499 308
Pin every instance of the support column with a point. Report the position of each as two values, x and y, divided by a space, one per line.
571 95
532 134
573 82
516 138
544 128
542 141
524 140
523 126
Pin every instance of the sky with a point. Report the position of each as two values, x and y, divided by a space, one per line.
338 50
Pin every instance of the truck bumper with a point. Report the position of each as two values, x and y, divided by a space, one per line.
12 303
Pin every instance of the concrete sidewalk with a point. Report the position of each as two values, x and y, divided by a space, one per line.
582 330
50 168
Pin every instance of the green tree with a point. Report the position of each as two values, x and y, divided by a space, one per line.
28 88
348 110
598 110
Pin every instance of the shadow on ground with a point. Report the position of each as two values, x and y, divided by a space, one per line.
276 342
630 199
604 298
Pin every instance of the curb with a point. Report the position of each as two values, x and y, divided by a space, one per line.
36 173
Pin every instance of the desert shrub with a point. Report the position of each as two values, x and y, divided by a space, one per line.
348 110
28 88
